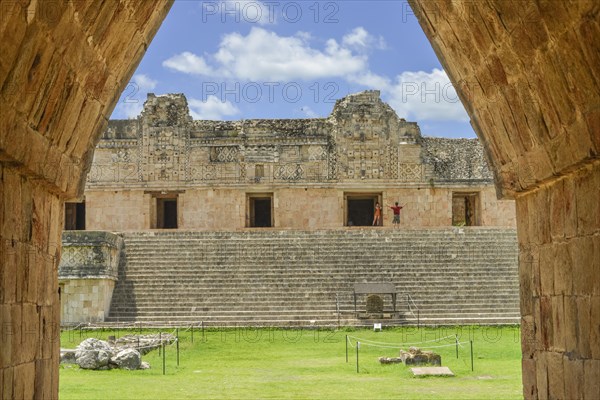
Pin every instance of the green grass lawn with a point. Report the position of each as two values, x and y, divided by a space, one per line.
270 363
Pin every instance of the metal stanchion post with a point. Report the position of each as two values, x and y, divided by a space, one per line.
472 356
456 340
346 348
357 347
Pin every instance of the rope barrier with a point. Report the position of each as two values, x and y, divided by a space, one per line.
402 344
349 341
446 345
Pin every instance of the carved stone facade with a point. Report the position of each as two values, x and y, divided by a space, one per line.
307 167
87 274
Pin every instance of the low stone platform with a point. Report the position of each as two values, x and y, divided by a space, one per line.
431 371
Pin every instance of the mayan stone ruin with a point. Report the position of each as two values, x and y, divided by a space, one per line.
526 72
165 170
317 179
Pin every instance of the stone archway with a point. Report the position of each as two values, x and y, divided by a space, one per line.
529 78
63 66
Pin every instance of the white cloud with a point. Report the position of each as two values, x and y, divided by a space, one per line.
212 108
370 80
134 95
188 63
144 82
265 56
359 39
420 95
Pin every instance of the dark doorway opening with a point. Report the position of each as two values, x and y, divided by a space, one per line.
361 212
75 216
166 213
360 208
260 211
465 209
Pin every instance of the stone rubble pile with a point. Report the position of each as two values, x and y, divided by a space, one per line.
124 353
414 356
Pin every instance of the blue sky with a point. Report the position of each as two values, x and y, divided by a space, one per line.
245 59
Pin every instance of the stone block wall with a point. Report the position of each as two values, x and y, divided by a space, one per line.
293 208
213 208
85 300
560 287
30 223
87 274
122 210
495 212
309 209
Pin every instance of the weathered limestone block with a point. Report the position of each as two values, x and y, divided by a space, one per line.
584 275
574 378
529 373
127 359
556 375
93 354
591 372
541 375
594 328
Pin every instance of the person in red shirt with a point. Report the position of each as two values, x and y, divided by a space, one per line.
396 210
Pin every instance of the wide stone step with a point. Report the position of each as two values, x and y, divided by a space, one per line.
211 308
431 273
215 272
258 292
291 278
298 277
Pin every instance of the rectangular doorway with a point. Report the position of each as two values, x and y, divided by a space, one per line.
75 216
260 210
166 213
465 209
360 208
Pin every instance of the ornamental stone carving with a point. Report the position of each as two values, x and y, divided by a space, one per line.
362 140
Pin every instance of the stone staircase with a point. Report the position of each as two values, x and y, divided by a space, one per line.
293 278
